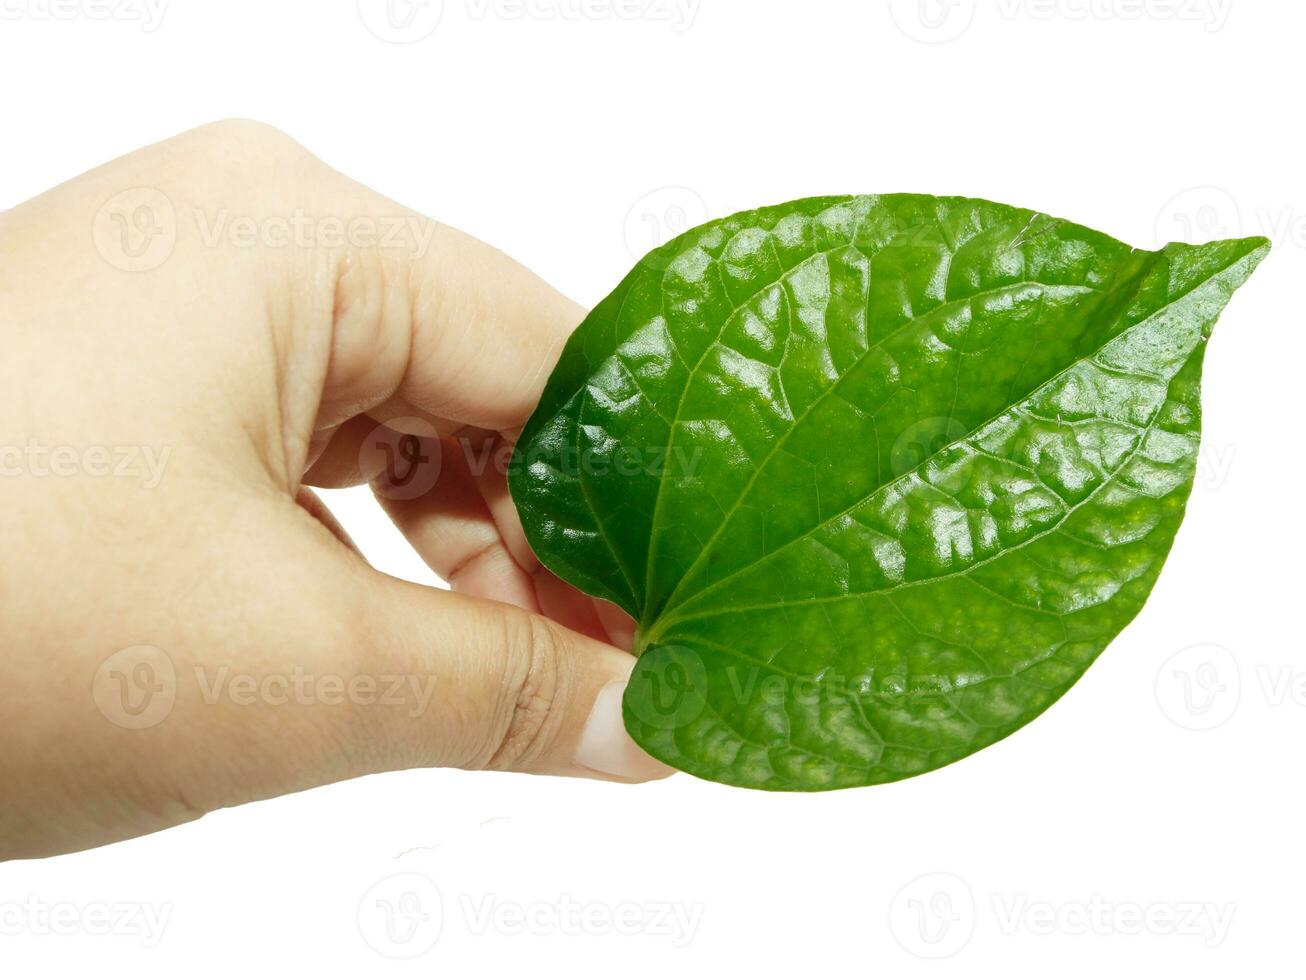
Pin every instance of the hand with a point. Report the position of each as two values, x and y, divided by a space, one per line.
192 336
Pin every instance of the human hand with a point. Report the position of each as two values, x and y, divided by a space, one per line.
193 335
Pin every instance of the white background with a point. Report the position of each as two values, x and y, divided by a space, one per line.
543 128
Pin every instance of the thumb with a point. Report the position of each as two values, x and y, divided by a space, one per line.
513 690
291 664
343 671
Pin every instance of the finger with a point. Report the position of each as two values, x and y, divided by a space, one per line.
450 527
543 699
453 528
312 503
432 323
288 297
565 604
481 460
456 523
332 670
619 627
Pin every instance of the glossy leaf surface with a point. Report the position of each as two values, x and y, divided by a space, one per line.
878 477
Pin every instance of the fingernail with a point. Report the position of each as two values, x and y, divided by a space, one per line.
605 745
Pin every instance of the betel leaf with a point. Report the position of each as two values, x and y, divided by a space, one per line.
878 477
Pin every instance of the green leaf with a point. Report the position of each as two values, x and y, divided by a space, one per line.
878 477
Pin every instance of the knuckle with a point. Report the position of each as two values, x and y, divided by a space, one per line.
240 169
533 691
243 138
370 326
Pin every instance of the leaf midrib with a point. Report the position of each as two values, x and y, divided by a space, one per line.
670 603
665 620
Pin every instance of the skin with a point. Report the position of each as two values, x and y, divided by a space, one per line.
254 368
